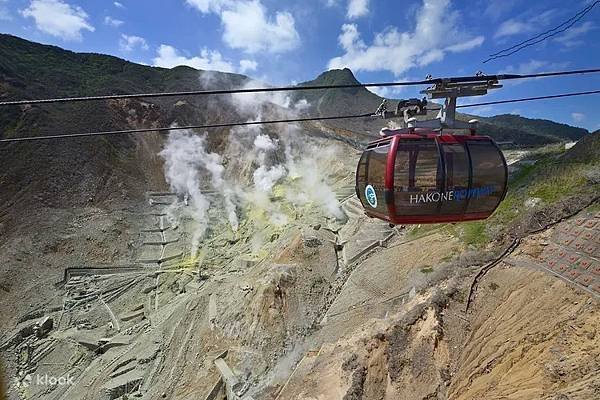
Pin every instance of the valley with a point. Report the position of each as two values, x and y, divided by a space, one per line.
239 264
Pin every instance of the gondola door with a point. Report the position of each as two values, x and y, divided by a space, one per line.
371 178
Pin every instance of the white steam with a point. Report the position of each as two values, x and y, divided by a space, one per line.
214 165
311 186
252 103
277 170
265 143
264 179
183 154
187 161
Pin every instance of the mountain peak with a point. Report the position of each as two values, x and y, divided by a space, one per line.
336 77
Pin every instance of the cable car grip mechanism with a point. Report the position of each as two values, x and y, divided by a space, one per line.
408 109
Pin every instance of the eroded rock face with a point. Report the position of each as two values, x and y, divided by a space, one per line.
531 336
260 318
527 335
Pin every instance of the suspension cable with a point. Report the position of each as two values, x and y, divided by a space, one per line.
542 36
268 122
460 79
177 128
553 96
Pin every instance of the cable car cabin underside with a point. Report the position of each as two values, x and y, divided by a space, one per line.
428 177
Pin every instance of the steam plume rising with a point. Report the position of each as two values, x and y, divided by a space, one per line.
186 162
281 162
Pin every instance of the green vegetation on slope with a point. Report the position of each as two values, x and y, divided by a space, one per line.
31 69
556 175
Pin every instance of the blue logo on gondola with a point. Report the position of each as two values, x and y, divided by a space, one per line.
371 196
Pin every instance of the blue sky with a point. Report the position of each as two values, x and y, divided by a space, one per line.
283 41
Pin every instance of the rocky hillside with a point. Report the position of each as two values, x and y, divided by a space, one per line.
539 127
344 101
507 330
104 277
586 149
92 171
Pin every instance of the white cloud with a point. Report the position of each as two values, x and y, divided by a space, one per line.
350 37
531 67
118 5
247 25
393 92
129 43
386 92
466 45
578 117
110 21
247 65
208 60
571 37
495 9
169 57
58 18
357 8
436 33
206 6
530 24
512 27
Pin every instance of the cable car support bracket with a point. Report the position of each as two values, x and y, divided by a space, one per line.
446 119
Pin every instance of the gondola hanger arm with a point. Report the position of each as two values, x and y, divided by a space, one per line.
447 89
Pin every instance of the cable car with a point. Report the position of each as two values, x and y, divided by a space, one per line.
420 176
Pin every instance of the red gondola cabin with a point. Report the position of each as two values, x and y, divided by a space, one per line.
427 177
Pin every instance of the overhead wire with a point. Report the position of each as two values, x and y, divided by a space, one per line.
176 128
585 10
460 79
552 96
542 36
278 121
